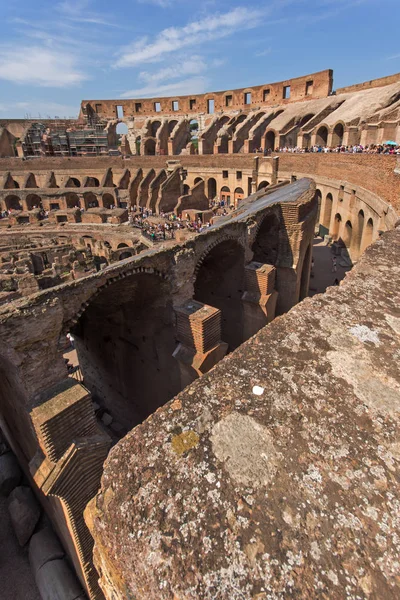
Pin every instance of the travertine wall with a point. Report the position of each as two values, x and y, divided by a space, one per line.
322 86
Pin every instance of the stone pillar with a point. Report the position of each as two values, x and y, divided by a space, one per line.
346 137
259 298
199 335
275 170
230 146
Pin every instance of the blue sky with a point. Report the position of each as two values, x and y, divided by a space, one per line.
54 54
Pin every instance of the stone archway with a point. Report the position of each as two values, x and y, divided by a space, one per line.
262 185
90 200
266 243
336 226
270 140
226 195
220 283
321 138
125 340
107 200
212 188
327 214
72 200
33 201
337 135
12 202
150 147
368 235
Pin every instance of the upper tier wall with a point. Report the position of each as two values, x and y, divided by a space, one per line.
367 85
315 85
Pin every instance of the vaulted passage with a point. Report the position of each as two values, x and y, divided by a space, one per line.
125 340
220 283
266 245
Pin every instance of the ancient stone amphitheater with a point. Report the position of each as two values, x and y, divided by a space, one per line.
205 448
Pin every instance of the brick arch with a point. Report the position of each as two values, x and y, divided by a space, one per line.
135 270
211 247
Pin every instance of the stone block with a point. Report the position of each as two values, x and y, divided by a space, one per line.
56 581
24 512
44 547
10 473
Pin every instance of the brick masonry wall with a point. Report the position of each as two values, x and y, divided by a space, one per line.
372 172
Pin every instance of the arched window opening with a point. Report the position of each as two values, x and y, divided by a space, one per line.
171 126
150 147
262 185
347 234
337 136
220 283
318 196
90 200
73 182
122 246
108 200
33 201
368 236
154 127
226 195
12 203
270 141
72 200
360 229
322 136
212 188
238 195
336 226
326 217
122 129
186 189
92 182
197 180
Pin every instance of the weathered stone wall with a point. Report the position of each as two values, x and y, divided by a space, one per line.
124 325
367 85
107 109
276 474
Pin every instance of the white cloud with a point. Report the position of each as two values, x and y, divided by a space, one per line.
193 85
195 33
264 52
194 65
39 66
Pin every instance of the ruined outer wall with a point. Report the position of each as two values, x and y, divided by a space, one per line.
322 87
231 491
367 85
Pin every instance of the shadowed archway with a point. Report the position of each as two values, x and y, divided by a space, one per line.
125 340
220 283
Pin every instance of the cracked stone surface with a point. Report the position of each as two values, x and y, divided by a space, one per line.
293 492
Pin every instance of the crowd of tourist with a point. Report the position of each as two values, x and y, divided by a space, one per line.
163 226
387 149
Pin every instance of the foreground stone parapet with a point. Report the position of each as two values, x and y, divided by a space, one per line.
277 473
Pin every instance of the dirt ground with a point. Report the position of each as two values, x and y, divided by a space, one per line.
323 275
